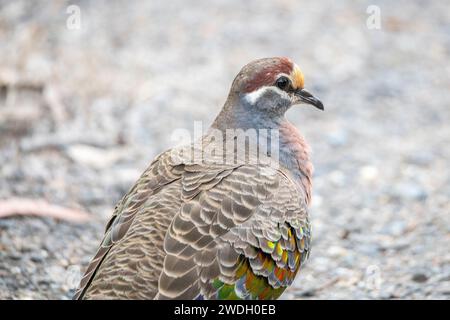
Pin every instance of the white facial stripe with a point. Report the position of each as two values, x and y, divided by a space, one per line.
254 96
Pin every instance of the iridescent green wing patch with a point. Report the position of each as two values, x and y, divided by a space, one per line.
248 286
267 275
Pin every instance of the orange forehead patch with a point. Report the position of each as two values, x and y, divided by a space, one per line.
298 81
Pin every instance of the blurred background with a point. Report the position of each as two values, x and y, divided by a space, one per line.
91 91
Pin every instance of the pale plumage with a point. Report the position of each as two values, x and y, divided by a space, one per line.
209 229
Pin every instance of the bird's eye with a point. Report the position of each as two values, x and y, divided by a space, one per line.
283 83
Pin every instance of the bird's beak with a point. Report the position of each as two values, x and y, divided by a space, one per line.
304 96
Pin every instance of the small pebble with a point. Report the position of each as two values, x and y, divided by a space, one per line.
420 277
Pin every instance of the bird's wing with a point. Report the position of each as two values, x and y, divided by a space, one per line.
161 172
241 236
202 230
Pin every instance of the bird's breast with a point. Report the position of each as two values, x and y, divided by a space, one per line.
294 155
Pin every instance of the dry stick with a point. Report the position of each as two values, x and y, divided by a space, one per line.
41 208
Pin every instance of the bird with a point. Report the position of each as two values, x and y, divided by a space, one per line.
210 220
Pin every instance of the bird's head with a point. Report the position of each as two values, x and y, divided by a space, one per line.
272 85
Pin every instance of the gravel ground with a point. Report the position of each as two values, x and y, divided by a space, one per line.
83 111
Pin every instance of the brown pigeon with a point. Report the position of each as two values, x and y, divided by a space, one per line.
224 217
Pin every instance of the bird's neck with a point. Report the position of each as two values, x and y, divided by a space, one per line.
293 151
244 116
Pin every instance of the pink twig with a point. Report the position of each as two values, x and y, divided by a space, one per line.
21 206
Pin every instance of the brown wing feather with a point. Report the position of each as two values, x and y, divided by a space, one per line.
162 171
215 227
